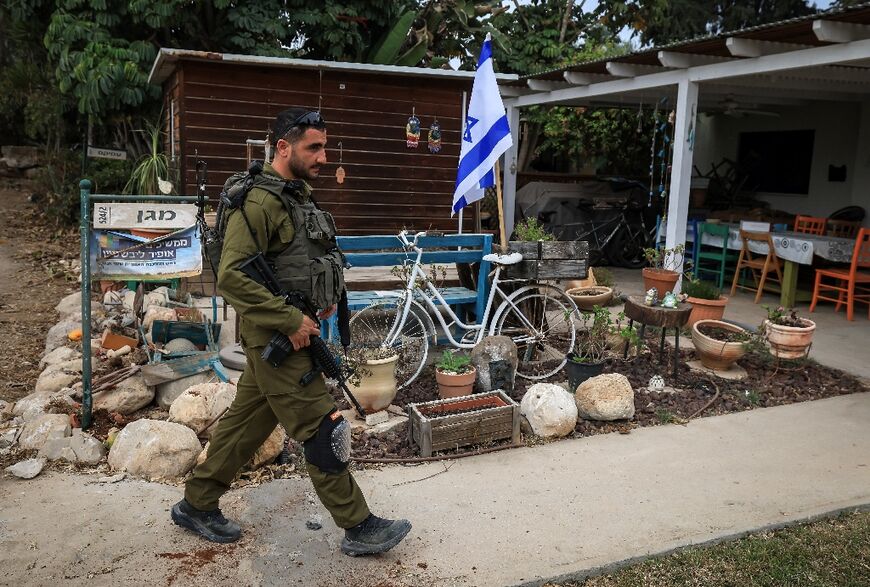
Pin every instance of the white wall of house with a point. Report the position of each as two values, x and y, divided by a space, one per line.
842 137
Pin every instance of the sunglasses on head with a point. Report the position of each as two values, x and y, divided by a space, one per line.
312 118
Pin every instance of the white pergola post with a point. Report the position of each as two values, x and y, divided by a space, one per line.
510 170
681 170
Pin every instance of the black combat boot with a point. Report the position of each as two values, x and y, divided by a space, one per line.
374 535
211 524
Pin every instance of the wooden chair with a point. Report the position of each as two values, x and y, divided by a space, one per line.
843 228
848 283
809 224
756 263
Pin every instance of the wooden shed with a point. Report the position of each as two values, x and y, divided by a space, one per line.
217 102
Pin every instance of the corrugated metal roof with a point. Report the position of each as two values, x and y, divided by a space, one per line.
166 59
796 30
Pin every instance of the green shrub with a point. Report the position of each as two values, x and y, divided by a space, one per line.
531 230
704 290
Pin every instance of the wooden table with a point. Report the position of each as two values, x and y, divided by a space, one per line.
664 318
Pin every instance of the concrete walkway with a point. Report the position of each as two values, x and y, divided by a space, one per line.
507 518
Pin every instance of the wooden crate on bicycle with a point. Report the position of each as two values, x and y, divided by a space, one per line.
463 421
550 260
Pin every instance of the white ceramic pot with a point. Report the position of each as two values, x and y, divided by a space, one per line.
789 342
378 390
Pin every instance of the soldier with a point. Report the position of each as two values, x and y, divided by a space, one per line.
280 218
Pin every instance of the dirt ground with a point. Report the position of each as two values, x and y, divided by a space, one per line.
38 266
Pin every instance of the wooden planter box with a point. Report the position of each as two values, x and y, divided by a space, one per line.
485 417
550 260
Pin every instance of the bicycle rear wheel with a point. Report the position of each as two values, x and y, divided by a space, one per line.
629 245
370 326
540 320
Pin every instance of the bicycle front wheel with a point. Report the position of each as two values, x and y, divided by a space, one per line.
540 320
629 245
370 326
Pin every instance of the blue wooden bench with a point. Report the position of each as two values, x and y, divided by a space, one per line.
387 251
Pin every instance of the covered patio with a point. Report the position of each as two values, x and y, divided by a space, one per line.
808 74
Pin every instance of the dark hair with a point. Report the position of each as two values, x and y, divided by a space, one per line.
290 124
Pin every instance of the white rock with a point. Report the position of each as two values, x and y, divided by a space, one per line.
605 397
71 306
489 350
43 428
128 298
61 354
166 393
87 449
57 335
155 449
126 397
202 404
550 410
32 406
56 449
157 313
60 375
270 449
27 469
8 436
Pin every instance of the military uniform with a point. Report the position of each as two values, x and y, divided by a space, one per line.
276 210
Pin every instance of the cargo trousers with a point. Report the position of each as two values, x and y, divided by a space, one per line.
266 396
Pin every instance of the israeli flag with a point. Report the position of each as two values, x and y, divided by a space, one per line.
486 134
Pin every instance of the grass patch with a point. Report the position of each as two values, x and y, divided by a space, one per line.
827 553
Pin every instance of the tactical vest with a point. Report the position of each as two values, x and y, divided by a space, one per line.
312 263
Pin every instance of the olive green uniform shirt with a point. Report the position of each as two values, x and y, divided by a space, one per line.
260 312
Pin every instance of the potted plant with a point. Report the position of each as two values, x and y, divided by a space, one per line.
707 300
455 375
588 297
790 336
662 274
719 344
371 373
587 359
544 257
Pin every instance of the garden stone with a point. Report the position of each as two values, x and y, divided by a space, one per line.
32 406
158 313
488 356
167 393
57 334
87 449
43 428
155 449
56 449
58 376
550 410
71 306
61 354
126 397
8 436
27 469
202 405
270 449
605 397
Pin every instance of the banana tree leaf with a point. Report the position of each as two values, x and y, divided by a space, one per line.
414 55
388 48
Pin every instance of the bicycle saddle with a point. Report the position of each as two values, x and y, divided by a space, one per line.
510 259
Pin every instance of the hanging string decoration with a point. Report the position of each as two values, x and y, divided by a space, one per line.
412 131
339 172
652 155
690 138
434 138
639 128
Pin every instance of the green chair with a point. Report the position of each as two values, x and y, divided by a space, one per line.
711 259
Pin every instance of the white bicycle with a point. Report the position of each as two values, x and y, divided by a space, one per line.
538 317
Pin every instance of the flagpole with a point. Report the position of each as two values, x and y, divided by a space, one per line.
500 207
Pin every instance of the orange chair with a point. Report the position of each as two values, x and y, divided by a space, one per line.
848 284
746 260
809 224
843 228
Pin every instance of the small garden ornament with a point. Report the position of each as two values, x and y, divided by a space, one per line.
652 297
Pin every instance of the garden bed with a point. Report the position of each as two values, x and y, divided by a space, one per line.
767 385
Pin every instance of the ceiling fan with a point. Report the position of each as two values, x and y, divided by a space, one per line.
731 107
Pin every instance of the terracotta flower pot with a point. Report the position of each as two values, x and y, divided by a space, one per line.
706 309
789 342
588 297
453 385
664 280
377 391
716 354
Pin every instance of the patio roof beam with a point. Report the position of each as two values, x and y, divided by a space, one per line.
580 78
676 60
832 31
794 60
740 47
542 85
762 91
618 69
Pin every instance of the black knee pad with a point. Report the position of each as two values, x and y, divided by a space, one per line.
329 448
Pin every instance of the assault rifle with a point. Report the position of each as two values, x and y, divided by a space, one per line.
280 346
